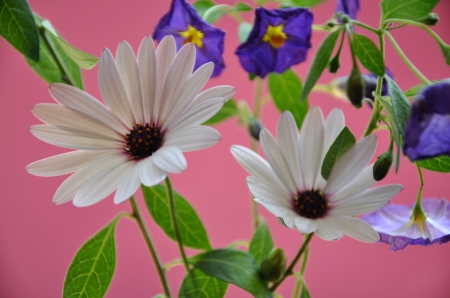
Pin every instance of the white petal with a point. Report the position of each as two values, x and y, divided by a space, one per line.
312 139
170 159
334 124
129 184
74 98
361 183
71 185
147 74
151 174
225 92
267 193
276 160
112 89
68 162
129 73
356 228
192 138
101 185
351 164
368 201
286 214
305 225
73 139
58 115
328 230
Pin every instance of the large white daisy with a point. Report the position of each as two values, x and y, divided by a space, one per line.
152 113
290 185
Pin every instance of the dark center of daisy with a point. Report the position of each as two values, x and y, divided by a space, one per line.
143 141
311 204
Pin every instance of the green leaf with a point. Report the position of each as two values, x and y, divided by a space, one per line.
320 61
242 7
92 268
285 90
407 9
368 53
201 6
305 292
416 89
436 164
160 296
199 285
261 244
229 109
395 129
306 3
344 142
244 31
233 266
18 27
400 104
192 231
214 13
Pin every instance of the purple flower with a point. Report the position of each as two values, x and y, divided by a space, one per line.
185 25
349 7
278 40
428 131
398 228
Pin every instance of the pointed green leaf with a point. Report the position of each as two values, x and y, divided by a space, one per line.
199 285
320 62
242 7
201 6
436 164
305 292
244 31
229 109
192 231
306 3
213 14
261 244
407 9
286 89
92 268
18 27
233 266
344 142
368 53
400 104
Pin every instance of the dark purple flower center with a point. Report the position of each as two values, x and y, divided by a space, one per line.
311 204
143 140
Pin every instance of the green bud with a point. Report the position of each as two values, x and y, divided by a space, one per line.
446 51
355 88
345 19
431 19
334 64
254 127
383 165
274 267
330 24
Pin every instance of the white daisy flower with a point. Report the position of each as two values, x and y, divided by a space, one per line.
290 184
152 113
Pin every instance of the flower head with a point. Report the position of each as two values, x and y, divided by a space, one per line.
349 7
185 25
278 40
290 185
152 114
399 228
428 131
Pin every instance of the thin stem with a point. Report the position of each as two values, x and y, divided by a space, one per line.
396 27
289 270
159 267
405 59
365 26
173 217
302 272
419 170
420 25
418 213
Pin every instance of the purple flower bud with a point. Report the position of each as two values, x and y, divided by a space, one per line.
349 7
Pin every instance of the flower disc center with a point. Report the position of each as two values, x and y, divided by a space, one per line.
143 141
275 36
311 204
192 35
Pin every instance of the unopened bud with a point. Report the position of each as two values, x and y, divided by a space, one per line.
431 19
334 64
356 87
274 267
345 19
254 127
330 24
382 165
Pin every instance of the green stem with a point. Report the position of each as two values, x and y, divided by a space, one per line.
159 267
365 26
289 270
420 25
173 217
302 273
405 59
418 213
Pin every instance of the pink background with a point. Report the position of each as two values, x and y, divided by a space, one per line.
39 239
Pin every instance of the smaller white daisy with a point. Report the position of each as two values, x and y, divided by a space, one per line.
290 185
152 114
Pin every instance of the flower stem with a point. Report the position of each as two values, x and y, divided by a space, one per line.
302 272
365 26
420 25
173 217
418 213
159 267
289 270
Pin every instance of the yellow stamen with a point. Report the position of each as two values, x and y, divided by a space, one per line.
275 36
192 35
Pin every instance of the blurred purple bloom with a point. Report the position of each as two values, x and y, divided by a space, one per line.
349 7
278 40
185 25
396 227
428 131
